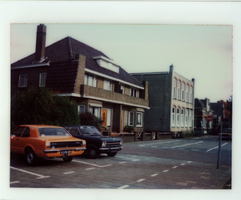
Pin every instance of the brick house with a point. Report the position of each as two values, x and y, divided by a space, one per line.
90 78
203 116
171 100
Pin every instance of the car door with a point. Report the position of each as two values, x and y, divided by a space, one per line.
15 138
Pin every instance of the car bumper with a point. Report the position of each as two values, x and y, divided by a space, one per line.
110 149
54 153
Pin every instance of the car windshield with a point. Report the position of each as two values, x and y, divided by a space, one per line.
88 130
53 131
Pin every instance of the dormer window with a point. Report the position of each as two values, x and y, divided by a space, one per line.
107 63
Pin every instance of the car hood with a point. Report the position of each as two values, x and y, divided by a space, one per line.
60 138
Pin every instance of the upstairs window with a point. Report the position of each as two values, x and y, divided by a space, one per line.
187 93
179 89
90 80
174 87
183 91
134 92
22 81
42 79
190 93
122 89
107 85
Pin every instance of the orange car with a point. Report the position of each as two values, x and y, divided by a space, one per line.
44 141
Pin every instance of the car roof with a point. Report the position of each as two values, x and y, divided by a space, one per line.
40 126
78 126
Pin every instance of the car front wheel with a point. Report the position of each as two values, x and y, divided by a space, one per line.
93 153
31 158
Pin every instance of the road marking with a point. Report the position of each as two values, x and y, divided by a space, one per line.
189 161
123 187
122 162
142 145
183 164
14 182
34 174
71 172
140 180
216 147
175 167
165 170
91 164
153 175
90 168
126 158
153 146
186 144
135 160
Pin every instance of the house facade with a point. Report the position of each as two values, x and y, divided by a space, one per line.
171 101
86 75
203 116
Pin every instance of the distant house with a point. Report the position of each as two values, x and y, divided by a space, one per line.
86 75
171 100
203 116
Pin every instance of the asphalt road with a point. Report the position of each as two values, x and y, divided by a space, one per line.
160 164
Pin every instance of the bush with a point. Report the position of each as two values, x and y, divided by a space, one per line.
39 106
129 129
89 119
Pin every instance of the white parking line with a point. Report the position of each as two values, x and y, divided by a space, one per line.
153 175
71 172
189 161
91 164
142 145
126 158
216 147
14 182
90 168
165 170
183 164
175 167
34 174
140 180
186 144
122 162
123 187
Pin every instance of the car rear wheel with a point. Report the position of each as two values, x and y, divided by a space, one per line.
31 158
67 158
111 154
93 153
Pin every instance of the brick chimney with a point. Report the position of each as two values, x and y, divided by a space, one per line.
40 43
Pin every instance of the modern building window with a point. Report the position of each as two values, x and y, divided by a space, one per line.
90 80
178 117
190 93
42 79
174 87
131 119
182 118
186 117
139 122
187 93
22 81
179 90
183 91
173 116
95 111
81 109
107 85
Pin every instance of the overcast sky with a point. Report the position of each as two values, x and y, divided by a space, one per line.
202 52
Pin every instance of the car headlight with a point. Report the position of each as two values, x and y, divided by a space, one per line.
121 142
84 142
103 144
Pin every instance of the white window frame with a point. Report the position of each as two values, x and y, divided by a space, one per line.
95 111
42 79
174 87
108 121
123 89
23 80
79 109
190 118
139 122
187 93
131 123
179 90
178 117
186 117
90 80
183 91
173 116
107 85
190 94
182 118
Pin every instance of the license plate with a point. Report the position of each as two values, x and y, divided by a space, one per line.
65 152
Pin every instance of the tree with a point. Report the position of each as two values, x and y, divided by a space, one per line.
40 106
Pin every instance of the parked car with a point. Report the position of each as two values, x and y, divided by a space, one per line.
96 143
43 141
226 133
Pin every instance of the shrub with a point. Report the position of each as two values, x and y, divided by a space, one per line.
88 118
129 129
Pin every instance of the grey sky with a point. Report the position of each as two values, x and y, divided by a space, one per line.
203 52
